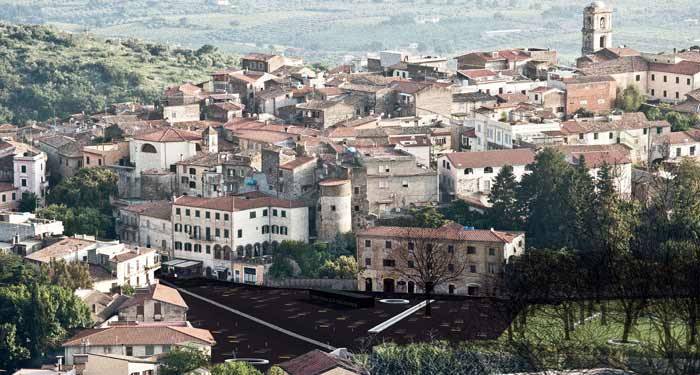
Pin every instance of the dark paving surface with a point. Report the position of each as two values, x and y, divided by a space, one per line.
339 326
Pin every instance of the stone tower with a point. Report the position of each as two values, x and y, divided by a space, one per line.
210 140
335 212
597 28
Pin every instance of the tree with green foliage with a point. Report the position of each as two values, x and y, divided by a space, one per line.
345 267
35 314
90 187
234 368
504 213
653 113
630 99
11 350
79 220
460 212
678 121
181 360
544 200
70 275
28 203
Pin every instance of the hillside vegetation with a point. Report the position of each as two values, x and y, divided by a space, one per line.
46 73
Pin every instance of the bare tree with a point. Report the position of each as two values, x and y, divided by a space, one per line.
425 258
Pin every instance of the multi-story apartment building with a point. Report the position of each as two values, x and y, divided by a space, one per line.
147 225
233 236
156 303
481 254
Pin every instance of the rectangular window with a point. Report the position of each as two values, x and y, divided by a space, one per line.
149 350
217 232
411 264
196 213
283 213
187 212
638 78
387 244
239 233
411 246
177 211
692 150
225 217
130 350
207 215
389 263
471 250
492 251
368 261
595 135
226 233
678 80
472 268
274 212
265 212
252 214
653 77
24 182
450 249
665 78
368 243
24 168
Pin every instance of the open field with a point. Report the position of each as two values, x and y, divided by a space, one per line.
328 30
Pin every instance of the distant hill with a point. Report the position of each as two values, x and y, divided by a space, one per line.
44 72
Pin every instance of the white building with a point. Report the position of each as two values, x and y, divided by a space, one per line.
489 134
111 264
471 174
163 148
16 227
616 157
30 173
677 145
233 236
631 129
136 341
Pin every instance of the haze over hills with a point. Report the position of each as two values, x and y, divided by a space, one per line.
327 30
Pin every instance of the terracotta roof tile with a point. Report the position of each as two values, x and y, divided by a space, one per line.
169 135
493 158
298 162
236 203
141 335
447 232
158 292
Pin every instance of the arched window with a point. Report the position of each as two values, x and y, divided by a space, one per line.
256 249
227 253
149 148
239 251
217 252
248 250
488 170
266 248
602 22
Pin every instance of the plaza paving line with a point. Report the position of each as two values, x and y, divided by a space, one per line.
391 321
257 320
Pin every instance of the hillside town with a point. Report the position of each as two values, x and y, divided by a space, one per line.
290 216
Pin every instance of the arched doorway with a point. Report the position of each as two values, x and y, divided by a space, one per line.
411 287
208 272
256 249
266 248
248 250
389 286
227 253
239 251
368 284
602 41
451 289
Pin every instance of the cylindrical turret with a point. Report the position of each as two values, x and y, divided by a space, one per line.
335 209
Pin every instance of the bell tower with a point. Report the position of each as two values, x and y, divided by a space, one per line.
597 28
